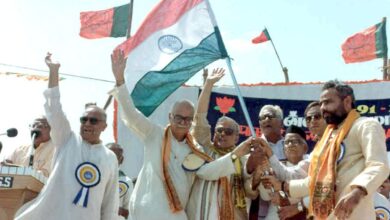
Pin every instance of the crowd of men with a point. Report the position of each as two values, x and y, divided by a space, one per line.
193 172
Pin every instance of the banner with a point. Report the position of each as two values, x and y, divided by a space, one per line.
293 113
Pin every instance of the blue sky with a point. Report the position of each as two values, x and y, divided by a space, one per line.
307 34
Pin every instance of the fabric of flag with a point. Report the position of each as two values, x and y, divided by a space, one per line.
366 45
263 37
111 22
176 40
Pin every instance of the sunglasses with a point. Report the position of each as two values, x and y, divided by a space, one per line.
311 118
227 131
91 120
264 117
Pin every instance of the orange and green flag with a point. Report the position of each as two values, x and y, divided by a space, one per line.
263 37
366 45
111 22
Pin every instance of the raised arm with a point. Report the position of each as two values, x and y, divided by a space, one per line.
60 127
133 119
204 98
201 131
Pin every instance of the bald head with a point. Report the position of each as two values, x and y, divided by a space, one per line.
182 104
100 111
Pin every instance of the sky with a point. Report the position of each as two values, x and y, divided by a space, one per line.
307 34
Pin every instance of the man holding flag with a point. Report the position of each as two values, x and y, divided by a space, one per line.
167 190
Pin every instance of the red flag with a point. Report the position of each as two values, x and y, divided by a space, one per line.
111 22
366 45
263 37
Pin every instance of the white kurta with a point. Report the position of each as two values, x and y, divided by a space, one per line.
149 200
124 200
382 206
205 195
42 157
55 202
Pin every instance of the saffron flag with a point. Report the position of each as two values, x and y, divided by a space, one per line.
263 37
111 22
176 40
366 45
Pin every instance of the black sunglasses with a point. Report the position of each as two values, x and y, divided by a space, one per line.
227 131
91 120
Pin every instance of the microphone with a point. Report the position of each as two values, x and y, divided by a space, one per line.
12 132
35 134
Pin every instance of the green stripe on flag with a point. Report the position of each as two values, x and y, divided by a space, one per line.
381 40
120 21
155 86
267 34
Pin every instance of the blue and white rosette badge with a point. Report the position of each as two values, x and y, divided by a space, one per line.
88 175
123 188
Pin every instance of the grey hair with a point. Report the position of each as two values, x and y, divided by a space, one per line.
275 109
342 89
236 126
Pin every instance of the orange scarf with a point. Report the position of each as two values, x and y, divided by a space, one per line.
226 208
322 170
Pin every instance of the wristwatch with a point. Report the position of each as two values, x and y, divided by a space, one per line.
300 206
233 156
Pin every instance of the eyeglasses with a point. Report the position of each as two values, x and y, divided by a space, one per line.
91 120
179 119
227 131
311 118
264 117
39 125
292 142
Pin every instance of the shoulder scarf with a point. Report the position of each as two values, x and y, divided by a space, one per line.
322 169
225 210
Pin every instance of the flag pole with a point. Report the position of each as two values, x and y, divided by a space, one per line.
284 69
385 67
128 35
240 99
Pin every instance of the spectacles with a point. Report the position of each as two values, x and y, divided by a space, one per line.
311 118
227 131
39 125
92 120
293 142
264 117
179 119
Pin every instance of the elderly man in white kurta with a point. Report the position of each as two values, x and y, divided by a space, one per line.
207 198
348 164
84 182
163 186
43 149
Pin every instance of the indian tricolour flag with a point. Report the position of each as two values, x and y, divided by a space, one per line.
176 40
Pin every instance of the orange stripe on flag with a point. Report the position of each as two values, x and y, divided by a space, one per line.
175 9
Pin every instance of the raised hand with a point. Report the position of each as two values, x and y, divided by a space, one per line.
217 74
118 64
54 68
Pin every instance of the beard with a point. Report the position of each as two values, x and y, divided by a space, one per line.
335 119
